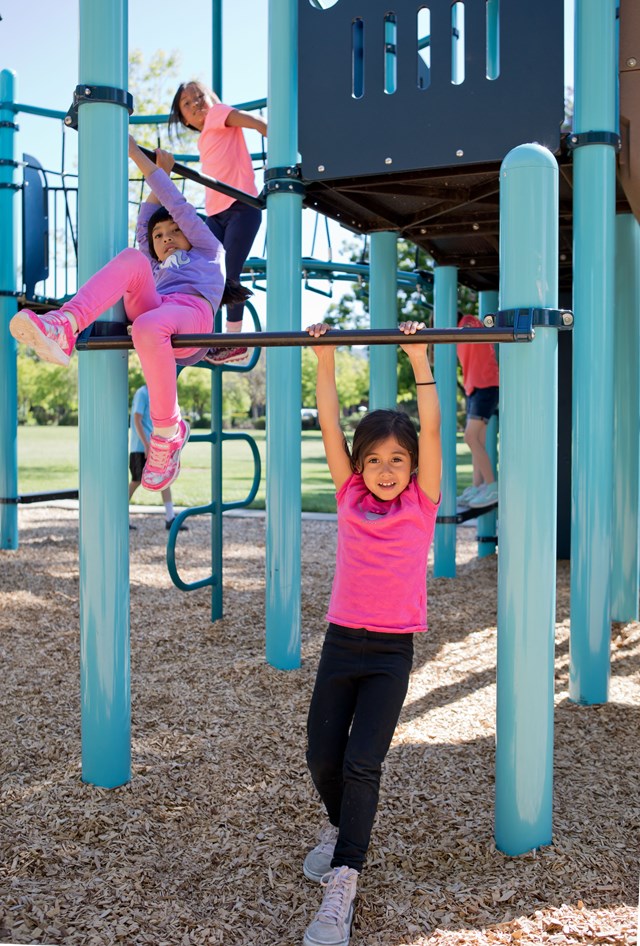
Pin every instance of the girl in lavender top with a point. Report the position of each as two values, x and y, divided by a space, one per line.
388 492
171 285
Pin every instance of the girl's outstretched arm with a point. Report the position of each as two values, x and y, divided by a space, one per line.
429 445
335 445
246 120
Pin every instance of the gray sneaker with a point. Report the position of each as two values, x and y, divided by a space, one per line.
317 863
331 925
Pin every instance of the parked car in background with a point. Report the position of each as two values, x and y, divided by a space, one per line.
309 418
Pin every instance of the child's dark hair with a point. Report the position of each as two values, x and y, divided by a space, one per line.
158 216
176 121
377 426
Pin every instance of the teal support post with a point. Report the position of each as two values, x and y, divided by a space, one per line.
216 47
493 39
8 308
217 605
104 519
446 316
626 399
528 496
284 242
594 196
383 313
488 524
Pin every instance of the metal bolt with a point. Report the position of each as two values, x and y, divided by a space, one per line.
87 91
321 168
567 318
574 139
388 160
67 120
488 321
475 226
459 153
632 62
563 257
472 262
422 230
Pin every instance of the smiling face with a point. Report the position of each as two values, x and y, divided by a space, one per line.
386 469
194 104
167 237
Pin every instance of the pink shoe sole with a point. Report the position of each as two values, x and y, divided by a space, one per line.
25 331
174 464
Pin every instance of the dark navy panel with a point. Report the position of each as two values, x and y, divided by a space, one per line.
35 226
445 125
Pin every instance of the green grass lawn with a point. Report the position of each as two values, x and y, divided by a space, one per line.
48 460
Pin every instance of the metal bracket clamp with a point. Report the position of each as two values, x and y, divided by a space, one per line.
115 330
594 138
13 125
283 180
96 93
523 320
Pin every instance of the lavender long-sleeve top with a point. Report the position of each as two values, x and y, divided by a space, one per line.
198 271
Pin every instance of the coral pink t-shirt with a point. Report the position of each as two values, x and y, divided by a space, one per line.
478 360
225 156
381 561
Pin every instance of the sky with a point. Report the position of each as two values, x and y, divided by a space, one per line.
39 42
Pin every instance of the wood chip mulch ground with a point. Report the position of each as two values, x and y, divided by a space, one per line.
205 844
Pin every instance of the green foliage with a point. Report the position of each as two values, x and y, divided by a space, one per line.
47 394
352 378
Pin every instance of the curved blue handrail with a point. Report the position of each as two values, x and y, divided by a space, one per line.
216 503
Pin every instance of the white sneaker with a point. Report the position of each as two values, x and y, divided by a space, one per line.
317 863
486 495
331 925
467 494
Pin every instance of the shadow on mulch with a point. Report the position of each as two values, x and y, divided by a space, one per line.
204 845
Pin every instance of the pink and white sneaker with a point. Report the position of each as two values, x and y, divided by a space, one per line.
51 336
224 356
163 462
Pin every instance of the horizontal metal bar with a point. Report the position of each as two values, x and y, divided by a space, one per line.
183 171
41 497
389 336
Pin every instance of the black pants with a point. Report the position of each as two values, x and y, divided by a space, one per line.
236 228
360 687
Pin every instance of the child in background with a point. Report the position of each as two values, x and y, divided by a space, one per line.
480 377
388 492
171 285
141 429
223 155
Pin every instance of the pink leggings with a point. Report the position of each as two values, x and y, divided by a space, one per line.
155 319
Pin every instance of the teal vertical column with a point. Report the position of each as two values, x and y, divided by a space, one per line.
284 237
626 401
216 46
527 491
103 396
8 308
446 316
487 524
217 564
593 300
383 313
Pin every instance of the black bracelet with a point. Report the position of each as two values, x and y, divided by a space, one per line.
424 382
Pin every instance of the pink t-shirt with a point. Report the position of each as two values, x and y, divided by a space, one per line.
381 561
478 360
225 156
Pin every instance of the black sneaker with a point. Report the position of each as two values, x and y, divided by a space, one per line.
169 522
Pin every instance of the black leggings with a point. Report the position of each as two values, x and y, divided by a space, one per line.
236 228
360 687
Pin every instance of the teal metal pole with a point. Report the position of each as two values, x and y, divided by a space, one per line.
104 519
527 491
488 524
594 186
217 604
626 445
445 315
216 47
383 313
8 308
284 243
